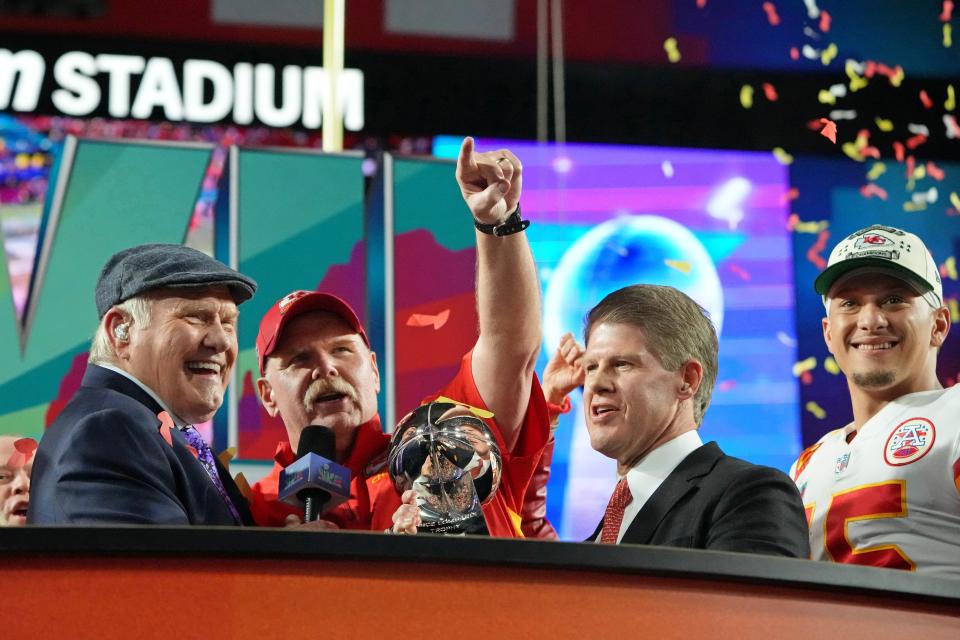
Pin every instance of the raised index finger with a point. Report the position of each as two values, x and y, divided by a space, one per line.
466 161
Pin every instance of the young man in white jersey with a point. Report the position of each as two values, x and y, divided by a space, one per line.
884 491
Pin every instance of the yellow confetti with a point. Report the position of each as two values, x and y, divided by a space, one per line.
954 310
477 411
947 35
673 52
857 81
897 78
951 102
831 365
811 227
828 54
950 266
884 125
914 206
746 96
877 170
226 456
825 97
852 150
241 481
920 172
782 156
955 200
680 265
816 410
799 368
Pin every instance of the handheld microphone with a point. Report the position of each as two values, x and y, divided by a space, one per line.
313 481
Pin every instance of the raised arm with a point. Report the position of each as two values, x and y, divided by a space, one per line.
508 294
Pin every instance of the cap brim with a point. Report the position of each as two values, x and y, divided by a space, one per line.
833 273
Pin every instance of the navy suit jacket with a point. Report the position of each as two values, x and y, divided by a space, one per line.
714 501
104 460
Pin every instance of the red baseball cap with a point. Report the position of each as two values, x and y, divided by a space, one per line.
294 304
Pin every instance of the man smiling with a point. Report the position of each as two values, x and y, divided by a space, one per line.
885 489
124 449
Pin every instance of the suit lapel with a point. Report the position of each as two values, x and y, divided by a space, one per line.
678 484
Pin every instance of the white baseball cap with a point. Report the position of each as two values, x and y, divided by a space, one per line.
885 250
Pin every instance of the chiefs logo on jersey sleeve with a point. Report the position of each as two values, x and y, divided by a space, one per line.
909 441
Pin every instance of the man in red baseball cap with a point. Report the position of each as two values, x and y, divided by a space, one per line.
317 367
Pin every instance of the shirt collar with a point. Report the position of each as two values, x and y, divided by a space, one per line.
648 474
176 420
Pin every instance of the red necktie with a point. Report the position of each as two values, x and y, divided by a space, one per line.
613 516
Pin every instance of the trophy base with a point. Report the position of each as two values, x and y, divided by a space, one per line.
472 524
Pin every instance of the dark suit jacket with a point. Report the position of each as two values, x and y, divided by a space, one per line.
714 501
104 460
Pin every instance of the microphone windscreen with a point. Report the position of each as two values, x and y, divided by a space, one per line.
319 440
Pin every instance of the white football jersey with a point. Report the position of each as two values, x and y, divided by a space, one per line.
890 497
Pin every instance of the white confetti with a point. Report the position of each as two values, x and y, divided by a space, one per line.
813 11
920 129
786 340
810 53
839 114
667 167
839 90
928 197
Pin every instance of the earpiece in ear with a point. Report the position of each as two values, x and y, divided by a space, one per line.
121 332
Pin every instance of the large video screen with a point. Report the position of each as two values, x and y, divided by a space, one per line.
710 223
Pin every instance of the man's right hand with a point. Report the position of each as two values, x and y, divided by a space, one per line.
564 372
294 522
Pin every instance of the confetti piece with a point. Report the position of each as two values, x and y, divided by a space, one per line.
896 78
166 423
954 310
949 268
825 21
782 156
746 96
828 54
682 266
853 71
871 189
813 253
770 92
673 52
740 271
898 151
667 168
831 365
925 99
816 410
813 12
701 4
193 452
772 16
242 484
810 53
806 377
950 123
911 165
426 320
947 14
840 114
935 172
851 151
947 36
877 170
926 197
884 125
825 97
792 194
915 141
810 227
726 385
477 411
794 53
829 130
955 200
786 340
918 128
951 101
804 365
226 456
23 450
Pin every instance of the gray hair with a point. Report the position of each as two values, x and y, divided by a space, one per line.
676 329
137 309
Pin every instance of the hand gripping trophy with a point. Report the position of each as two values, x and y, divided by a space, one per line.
451 459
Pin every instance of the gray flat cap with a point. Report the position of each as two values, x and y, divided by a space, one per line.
139 269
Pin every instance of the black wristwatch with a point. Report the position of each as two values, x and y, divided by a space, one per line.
513 224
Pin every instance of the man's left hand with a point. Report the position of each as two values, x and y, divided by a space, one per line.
490 182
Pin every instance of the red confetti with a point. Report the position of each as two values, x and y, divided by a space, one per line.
911 166
871 189
701 4
916 141
26 446
829 130
870 152
792 194
806 377
193 451
166 423
427 320
813 253
953 129
898 151
794 53
770 92
869 69
792 221
947 14
934 172
726 385
824 21
772 16
925 99
740 271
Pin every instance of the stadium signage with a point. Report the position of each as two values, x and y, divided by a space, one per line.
198 91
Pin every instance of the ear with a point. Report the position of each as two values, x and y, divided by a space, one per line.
115 318
827 334
691 375
376 371
941 326
265 391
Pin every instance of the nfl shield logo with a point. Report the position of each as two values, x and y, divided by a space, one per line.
842 463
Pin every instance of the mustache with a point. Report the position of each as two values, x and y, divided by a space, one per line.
326 386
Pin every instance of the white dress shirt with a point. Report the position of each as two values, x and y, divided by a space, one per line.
646 476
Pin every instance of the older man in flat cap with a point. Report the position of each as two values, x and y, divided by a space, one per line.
124 449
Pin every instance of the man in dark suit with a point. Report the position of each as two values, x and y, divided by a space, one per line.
648 374
124 449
